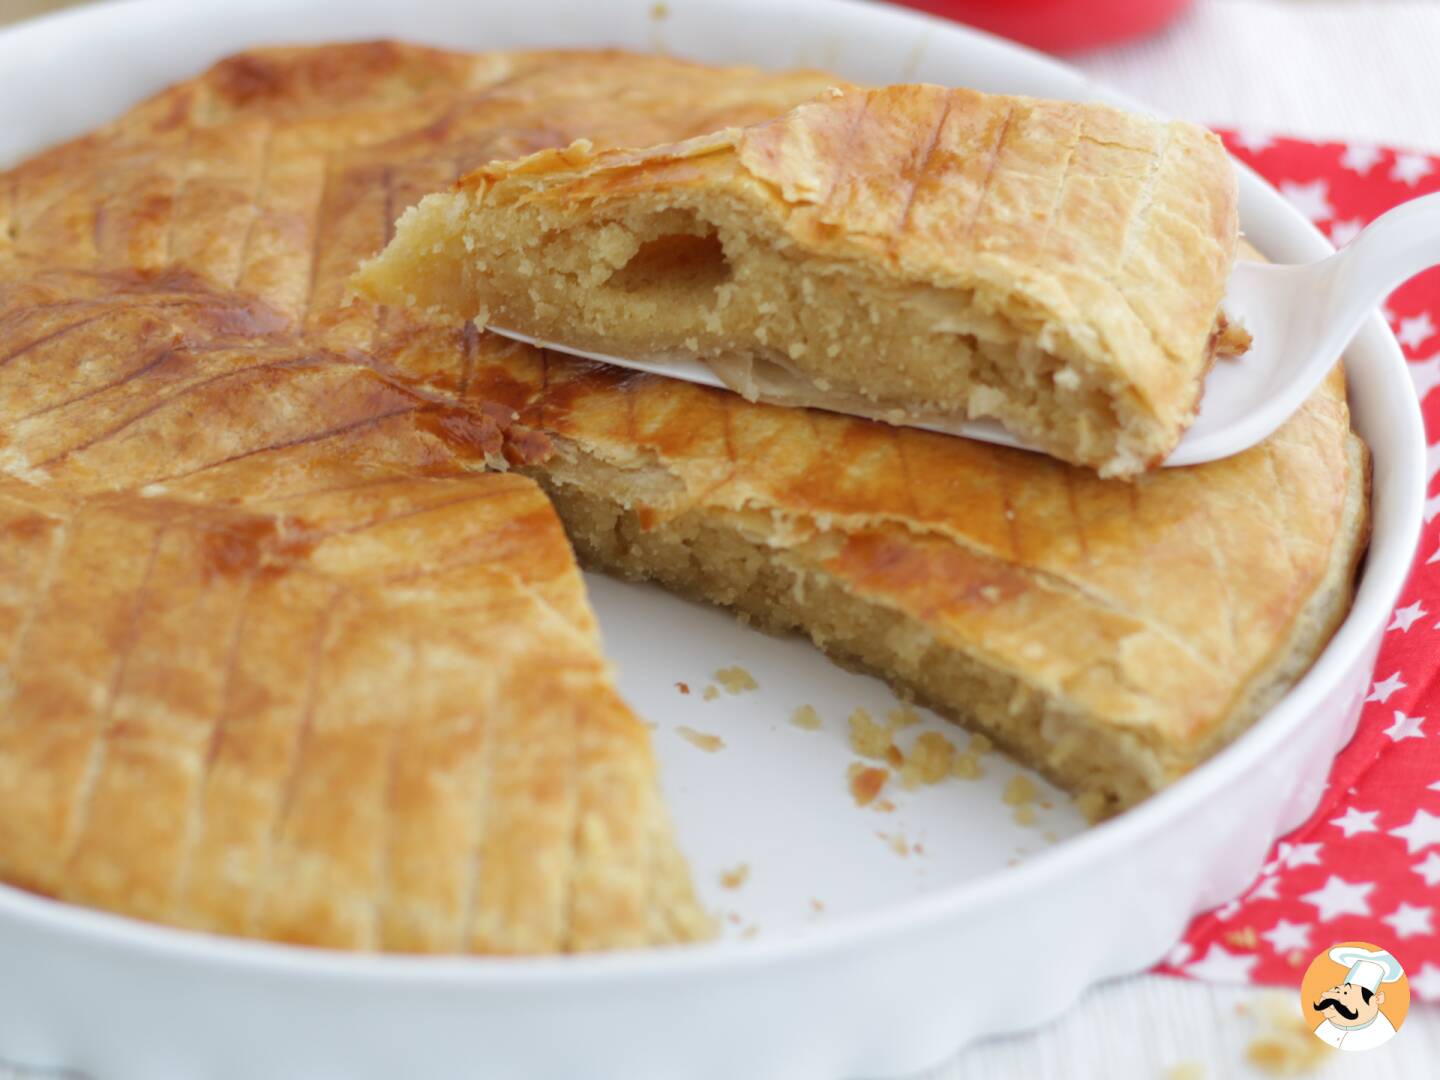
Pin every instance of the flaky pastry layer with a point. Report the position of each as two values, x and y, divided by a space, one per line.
913 252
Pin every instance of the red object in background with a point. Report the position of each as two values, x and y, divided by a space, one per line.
1058 25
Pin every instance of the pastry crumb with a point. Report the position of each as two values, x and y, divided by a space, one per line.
1285 1046
734 918
902 716
867 738
684 688
966 766
806 717
700 740
817 906
1091 805
980 744
929 761
711 693
735 877
736 680
896 843
1244 938
1051 836
885 806
1020 791
1186 1070
749 932
1024 814
866 782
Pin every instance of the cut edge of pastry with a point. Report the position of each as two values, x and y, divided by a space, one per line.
742 561
698 249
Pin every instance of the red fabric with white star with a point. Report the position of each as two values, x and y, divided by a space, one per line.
1366 866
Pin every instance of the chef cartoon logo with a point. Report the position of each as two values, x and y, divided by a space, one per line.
1355 996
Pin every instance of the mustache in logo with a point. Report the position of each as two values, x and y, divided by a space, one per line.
1340 1007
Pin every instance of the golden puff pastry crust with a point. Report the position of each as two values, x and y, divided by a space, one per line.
279 662
907 252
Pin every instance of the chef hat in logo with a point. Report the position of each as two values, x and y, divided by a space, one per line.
1367 967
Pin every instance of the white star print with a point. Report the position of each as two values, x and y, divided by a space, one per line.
1340 897
1227 911
1179 954
1312 199
1432 461
1405 617
1423 830
1407 920
1429 868
1414 330
1409 168
1342 232
1282 849
1356 821
1434 555
1284 936
1360 159
1383 688
1425 374
1435 786
1220 965
1426 982
1303 855
1266 890
1405 727
1252 140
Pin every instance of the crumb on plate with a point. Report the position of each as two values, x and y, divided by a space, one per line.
684 688
711 693
866 782
867 738
1091 805
966 766
736 680
806 717
930 759
1020 791
896 843
700 740
735 877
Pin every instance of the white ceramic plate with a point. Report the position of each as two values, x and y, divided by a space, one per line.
911 957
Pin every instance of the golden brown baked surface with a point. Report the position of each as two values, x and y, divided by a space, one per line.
276 659
207 454
912 251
